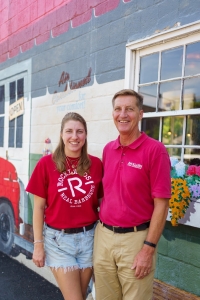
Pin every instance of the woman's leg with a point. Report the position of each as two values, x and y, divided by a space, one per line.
73 284
85 275
69 283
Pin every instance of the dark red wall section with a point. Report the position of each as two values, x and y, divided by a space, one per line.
24 23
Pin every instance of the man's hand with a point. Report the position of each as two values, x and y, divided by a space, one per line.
143 262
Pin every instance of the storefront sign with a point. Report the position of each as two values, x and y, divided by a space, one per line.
16 109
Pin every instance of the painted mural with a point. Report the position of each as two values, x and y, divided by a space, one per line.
58 56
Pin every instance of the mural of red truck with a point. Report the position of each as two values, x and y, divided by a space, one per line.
9 204
11 193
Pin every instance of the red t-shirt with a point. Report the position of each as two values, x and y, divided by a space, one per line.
133 176
71 200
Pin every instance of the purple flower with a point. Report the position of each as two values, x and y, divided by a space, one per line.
195 190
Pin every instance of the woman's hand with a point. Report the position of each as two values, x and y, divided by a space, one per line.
39 255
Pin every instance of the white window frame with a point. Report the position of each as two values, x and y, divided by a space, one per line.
165 40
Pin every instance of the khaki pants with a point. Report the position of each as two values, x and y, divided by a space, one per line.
113 257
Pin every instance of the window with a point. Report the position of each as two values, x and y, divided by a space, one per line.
2 111
165 69
16 91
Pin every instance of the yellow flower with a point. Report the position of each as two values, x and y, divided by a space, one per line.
180 199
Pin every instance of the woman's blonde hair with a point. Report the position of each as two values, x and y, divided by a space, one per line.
59 156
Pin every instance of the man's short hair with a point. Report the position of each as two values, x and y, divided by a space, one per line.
129 92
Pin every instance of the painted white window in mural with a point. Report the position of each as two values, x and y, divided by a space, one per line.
16 92
2 111
165 69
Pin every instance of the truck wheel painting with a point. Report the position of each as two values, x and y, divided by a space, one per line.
6 227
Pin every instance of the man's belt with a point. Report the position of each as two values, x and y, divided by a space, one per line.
116 229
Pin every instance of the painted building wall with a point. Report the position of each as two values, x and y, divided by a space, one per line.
72 56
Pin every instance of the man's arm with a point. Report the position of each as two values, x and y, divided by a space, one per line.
143 260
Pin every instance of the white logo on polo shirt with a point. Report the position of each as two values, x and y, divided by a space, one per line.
133 165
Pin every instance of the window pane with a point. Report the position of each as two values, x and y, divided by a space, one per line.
169 97
192 156
150 95
11 133
2 99
193 130
175 152
171 65
192 61
149 68
172 130
191 93
12 92
151 127
20 88
1 131
19 131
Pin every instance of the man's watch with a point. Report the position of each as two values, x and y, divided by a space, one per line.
150 244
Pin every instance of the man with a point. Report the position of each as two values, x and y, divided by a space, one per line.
137 187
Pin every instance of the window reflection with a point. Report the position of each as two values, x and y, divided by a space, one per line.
193 130
172 130
171 63
175 152
149 68
191 156
169 98
192 61
151 127
191 93
150 95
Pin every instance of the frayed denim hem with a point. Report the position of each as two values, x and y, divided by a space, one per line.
69 269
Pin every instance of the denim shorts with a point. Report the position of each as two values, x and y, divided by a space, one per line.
68 251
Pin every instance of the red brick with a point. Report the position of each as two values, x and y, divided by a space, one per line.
34 11
83 6
4 4
49 5
4 15
79 20
14 41
57 3
106 6
4 47
41 8
14 52
93 3
20 6
61 15
27 46
127 1
28 33
13 24
25 17
71 9
42 38
12 9
4 30
3 57
47 23
60 29
36 29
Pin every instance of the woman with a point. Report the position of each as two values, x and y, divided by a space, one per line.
66 188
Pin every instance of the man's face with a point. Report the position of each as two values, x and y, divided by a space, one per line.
126 114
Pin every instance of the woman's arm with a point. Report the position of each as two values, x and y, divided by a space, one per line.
38 222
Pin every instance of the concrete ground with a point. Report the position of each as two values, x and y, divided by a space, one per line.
18 282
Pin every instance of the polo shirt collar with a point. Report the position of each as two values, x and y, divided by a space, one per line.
133 145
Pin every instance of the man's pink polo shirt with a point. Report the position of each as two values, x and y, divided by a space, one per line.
133 176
